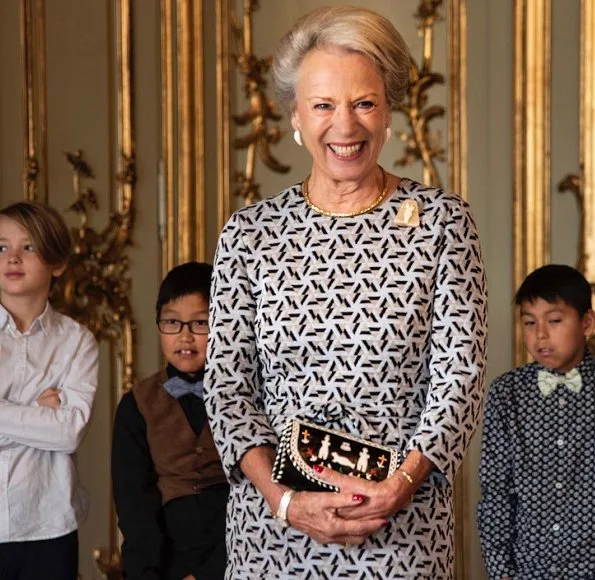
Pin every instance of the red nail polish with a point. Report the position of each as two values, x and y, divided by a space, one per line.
318 468
358 497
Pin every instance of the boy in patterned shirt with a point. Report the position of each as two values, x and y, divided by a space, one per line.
537 469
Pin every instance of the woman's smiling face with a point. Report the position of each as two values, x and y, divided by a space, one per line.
342 113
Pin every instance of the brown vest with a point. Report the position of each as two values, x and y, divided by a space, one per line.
185 463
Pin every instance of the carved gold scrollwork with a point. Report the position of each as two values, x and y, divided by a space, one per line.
109 563
420 143
33 58
573 184
94 289
261 109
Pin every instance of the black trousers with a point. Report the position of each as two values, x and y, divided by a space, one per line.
195 528
55 559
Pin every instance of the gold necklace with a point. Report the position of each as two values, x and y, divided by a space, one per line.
372 206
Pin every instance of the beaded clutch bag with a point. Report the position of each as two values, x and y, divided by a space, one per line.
304 445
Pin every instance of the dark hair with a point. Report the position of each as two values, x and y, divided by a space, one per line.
46 228
556 282
185 279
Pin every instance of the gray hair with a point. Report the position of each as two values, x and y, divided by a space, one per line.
347 28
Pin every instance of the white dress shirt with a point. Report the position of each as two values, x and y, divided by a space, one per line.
40 495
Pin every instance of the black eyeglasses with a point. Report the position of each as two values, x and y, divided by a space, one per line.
173 326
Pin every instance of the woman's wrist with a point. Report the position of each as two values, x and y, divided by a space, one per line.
409 476
415 469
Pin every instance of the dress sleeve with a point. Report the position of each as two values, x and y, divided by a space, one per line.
232 376
59 429
137 498
458 344
497 508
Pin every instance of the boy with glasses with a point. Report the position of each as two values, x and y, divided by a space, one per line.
169 487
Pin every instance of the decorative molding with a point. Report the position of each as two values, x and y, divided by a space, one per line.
457 91
573 184
33 57
420 143
167 184
101 259
457 182
182 116
532 75
260 110
224 208
587 136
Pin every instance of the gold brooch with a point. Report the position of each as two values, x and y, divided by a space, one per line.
408 214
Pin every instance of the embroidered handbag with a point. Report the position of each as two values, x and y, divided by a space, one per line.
304 445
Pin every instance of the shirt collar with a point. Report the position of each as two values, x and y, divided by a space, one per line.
45 320
172 371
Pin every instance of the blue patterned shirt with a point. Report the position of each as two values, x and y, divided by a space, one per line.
537 473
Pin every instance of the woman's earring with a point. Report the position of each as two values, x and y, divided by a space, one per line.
297 137
388 134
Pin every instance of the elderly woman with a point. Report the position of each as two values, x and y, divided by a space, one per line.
356 300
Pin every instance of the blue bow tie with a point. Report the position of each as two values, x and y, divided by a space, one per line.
547 382
177 387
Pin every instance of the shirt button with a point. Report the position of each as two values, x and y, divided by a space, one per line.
199 450
196 487
560 442
562 402
556 527
558 485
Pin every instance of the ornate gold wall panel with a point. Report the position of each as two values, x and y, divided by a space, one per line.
33 56
182 117
532 76
95 288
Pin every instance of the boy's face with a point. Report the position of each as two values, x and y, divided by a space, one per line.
554 333
185 351
22 272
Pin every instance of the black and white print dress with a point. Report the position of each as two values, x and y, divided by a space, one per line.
362 325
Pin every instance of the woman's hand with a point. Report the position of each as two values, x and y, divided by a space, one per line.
383 499
378 500
317 515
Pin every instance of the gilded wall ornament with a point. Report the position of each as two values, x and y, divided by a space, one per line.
260 110
94 289
420 143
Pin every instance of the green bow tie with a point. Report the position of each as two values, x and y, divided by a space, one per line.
547 382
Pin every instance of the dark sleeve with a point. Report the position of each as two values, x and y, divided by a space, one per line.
194 409
136 495
496 512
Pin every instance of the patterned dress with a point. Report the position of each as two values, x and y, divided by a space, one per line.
365 326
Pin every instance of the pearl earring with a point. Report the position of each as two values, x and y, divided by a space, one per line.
388 134
297 137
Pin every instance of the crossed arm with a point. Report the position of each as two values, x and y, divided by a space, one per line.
58 421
